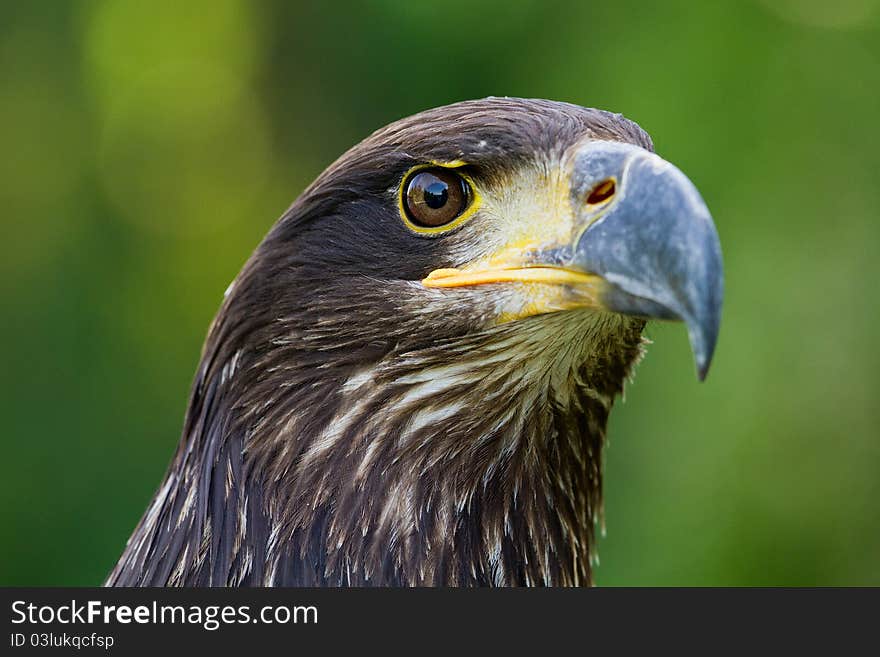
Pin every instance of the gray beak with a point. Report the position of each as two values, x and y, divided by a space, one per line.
652 240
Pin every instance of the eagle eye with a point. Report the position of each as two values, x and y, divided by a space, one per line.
434 197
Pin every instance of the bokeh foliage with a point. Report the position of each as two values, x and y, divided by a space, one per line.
147 147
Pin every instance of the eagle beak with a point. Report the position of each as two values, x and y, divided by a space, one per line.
643 244
652 242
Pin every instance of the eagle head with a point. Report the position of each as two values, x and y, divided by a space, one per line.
409 381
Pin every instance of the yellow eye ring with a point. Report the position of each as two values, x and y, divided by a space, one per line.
470 206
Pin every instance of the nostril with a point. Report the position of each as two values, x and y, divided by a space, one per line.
601 192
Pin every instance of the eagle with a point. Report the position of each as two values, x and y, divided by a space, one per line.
409 381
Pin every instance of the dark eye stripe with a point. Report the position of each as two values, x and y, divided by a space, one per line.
435 197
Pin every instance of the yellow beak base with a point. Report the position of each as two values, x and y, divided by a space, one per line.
546 275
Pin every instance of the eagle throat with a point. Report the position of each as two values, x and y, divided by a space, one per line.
476 461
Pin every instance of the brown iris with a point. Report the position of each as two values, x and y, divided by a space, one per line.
435 197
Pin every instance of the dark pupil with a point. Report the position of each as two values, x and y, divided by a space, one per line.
436 194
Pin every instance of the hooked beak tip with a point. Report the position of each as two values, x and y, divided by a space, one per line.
655 244
703 358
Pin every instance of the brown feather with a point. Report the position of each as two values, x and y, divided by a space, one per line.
346 427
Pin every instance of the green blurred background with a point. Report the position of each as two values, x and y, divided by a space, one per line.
147 147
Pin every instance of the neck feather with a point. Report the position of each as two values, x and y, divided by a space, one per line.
476 461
